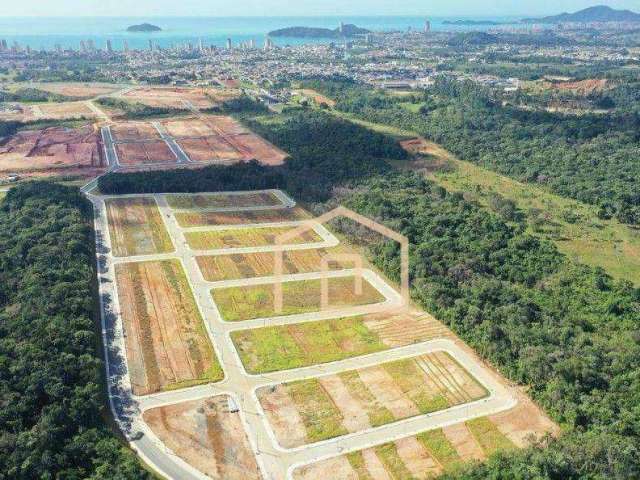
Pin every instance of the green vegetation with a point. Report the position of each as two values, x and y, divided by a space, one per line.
441 449
285 347
51 375
488 436
388 455
582 157
321 417
33 95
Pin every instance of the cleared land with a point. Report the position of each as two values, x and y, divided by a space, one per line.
246 303
144 153
134 131
62 111
53 151
426 455
214 138
312 410
286 347
251 265
213 148
246 237
167 344
80 90
173 97
201 219
207 436
222 200
136 227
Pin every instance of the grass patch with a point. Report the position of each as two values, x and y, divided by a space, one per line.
321 418
488 436
293 346
441 449
246 303
378 414
356 460
411 381
388 455
245 237
221 200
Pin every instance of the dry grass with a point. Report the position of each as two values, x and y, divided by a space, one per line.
167 344
222 200
246 303
245 237
251 265
201 219
136 227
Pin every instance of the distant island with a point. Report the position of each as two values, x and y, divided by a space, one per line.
598 14
471 23
144 27
311 32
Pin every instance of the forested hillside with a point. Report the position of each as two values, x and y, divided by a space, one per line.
593 159
51 391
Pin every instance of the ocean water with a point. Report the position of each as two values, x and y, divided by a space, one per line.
45 33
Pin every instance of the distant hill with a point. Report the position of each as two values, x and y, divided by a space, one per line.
311 32
471 23
600 13
144 27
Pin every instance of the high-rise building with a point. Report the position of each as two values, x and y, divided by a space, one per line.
229 44
427 26
109 46
341 27
3 45
91 45
58 48
252 43
268 43
83 46
150 45
125 46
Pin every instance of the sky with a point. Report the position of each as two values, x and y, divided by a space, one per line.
222 8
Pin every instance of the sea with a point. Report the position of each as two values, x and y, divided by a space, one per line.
43 33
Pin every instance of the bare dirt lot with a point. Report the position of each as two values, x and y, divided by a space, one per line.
132 154
357 400
170 97
53 151
136 227
134 131
221 200
167 344
62 111
210 149
80 90
207 436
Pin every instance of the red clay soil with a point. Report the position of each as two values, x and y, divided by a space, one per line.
144 153
52 149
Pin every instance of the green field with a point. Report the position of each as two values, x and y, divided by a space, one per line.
247 303
293 346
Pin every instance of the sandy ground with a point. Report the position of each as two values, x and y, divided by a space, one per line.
206 435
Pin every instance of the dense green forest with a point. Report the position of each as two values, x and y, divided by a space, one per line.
591 158
33 95
567 331
51 387
135 110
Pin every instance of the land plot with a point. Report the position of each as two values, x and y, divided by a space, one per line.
201 219
254 147
53 150
144 153
84 90
426 455
170 97
188 127
246 237
225 125
356 400
222 200
134 131
246 303
232 267
285 347
207 436
136 227
62 111
167 344
210 149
